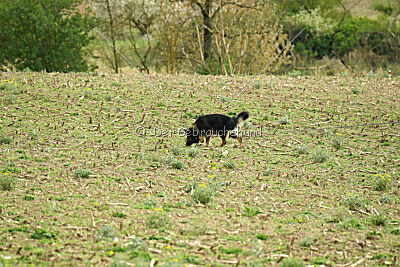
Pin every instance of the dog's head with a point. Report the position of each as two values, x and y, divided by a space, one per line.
192 136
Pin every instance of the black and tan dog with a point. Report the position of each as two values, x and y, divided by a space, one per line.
215 124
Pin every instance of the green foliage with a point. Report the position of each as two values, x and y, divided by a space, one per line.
6 182
320 155
158 220
43 234
203 194
82 173
302 149
353 202
5 140
193 152
44 35
250 211
306 242
382 182
291 262
378 220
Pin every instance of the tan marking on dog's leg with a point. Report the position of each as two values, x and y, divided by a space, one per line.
240 141
208 140
223 143
201 139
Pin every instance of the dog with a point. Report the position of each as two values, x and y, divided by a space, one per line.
215 124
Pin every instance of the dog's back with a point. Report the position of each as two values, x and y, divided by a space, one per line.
215 124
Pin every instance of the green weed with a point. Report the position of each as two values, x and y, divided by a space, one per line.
6 182
302 149
378 220
337 142
382 182
353 202
4 139
159 220
291 262
82 173
320 155
194 152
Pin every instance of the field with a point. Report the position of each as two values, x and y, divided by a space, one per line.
94 171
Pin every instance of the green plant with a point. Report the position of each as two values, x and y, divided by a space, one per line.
285 121
5 139
158 220
353 202
382 182
387 199
203 194
118 214
67 34
337 142
232 250
355 91
28 198
228 165
176 150
82 173
307 242
257 84
177 164
378 220
43 234
268 171
6 182
109 232
194 152
320 155
302 149
291 262
250 211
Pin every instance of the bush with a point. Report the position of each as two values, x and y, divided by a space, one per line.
67 35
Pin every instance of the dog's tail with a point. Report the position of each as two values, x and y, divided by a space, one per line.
242 117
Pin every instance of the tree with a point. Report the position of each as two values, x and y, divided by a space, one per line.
44 35
110 14
209 10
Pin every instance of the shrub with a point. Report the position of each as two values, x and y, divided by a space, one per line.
53 21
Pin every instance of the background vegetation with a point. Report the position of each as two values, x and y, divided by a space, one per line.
203 36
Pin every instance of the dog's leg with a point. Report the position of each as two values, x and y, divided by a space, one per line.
223 141
201 139
208 140
240 141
